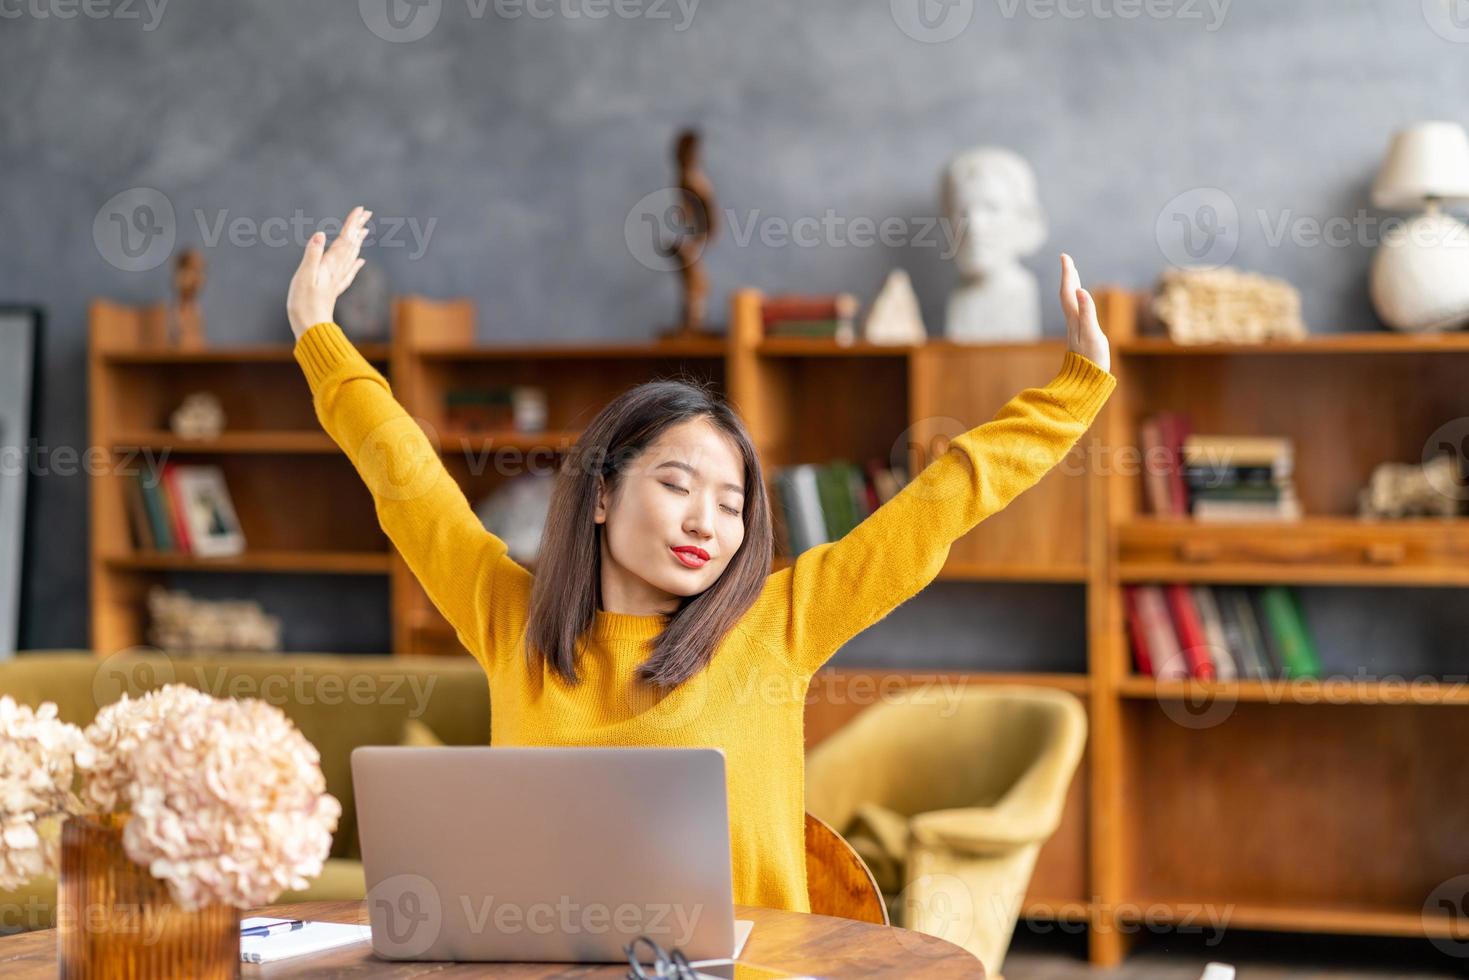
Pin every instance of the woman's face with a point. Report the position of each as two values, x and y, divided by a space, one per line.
676 518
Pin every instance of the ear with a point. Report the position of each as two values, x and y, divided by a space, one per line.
600 515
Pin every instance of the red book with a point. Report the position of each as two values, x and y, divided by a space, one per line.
1190 629
176 508
1174 429
1140 650
838 306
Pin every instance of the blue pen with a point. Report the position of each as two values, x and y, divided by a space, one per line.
271 928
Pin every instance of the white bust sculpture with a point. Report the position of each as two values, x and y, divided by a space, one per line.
990 201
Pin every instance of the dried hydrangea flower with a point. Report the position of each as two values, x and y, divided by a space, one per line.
227 799
37 752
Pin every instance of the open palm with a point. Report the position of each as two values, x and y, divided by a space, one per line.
325 273
1083 332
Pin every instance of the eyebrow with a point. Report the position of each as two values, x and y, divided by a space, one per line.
685 466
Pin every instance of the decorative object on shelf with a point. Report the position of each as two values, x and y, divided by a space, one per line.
200 416
1420 274
529 407
895 317
162 819
989 200
1411 489
516 513
1211 306
362 311
186 319
498 408
831 317
696 221
181 623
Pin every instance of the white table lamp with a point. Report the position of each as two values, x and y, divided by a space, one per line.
1420 274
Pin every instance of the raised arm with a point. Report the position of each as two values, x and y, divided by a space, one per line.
463 567
834 591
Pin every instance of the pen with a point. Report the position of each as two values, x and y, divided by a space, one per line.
272 928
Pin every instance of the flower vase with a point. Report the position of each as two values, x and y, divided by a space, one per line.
115 920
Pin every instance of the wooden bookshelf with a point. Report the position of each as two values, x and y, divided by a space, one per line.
302 507
1310 807
1332 806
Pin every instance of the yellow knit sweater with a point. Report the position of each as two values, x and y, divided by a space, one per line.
749 701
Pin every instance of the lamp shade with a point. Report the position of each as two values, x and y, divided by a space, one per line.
1427 160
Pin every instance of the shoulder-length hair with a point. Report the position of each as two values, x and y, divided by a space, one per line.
567 585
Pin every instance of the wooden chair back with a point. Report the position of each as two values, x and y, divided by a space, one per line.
838 881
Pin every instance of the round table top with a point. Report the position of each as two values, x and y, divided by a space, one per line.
818 945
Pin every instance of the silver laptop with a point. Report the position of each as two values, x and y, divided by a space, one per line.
558 855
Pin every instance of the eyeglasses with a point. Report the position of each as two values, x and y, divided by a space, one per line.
668 966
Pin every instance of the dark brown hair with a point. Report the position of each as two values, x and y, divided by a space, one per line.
568 579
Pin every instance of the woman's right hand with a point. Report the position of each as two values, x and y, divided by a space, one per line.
321 278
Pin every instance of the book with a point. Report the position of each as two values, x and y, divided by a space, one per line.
1239 632
150 483
1269 649
1141 655
1225 668
1191 637
175 507
1155 478
207 512
1174 429
1163 648
138 516
1292 639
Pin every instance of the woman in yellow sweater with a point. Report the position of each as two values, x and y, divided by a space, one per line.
653 617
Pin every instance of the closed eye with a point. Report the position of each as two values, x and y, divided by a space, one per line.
675 486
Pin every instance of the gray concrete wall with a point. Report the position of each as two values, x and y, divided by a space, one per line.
518 136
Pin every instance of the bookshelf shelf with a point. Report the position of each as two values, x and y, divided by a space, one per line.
229 442
812 347
254 354
1345 551
312 562
559 440
1327 691
993 572
1365 342
713 349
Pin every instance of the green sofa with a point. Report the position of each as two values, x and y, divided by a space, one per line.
337 701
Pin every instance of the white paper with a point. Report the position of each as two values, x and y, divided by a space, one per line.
313 937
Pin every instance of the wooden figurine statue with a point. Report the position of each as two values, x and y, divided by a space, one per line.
697 222
188 279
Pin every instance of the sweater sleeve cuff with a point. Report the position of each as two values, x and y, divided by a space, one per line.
1082 386
321 350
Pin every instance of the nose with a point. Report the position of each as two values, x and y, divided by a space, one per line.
699 520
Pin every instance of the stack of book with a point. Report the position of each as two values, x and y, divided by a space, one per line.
183 509
832 317
1217 478
821 503
1212 632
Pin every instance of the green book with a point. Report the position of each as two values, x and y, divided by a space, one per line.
151 486
1298 655
830 488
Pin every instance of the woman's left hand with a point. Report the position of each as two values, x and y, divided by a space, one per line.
1083 332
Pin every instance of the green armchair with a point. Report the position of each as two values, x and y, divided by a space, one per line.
949 802
337 701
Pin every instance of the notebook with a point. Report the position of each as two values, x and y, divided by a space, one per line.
313 937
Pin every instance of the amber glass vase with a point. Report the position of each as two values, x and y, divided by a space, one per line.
116 920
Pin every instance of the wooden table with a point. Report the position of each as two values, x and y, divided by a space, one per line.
813 944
